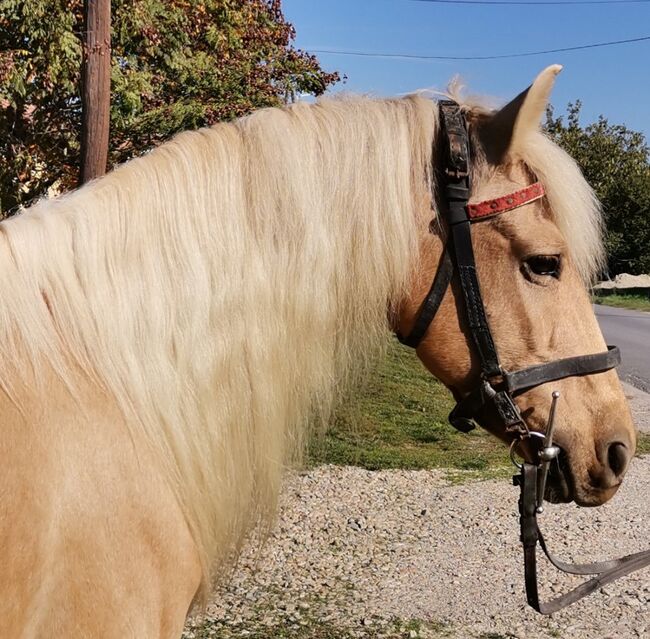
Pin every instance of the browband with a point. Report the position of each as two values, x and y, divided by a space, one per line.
498 205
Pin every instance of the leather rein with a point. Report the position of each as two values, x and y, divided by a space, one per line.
499 387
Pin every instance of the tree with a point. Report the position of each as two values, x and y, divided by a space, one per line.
616 162
176 64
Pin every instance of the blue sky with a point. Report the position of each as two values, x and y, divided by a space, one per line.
614 81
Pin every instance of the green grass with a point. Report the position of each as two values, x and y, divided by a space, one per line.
314 628
643 444
399 420
633 302
293 631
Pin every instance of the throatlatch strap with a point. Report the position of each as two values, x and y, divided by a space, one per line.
431 303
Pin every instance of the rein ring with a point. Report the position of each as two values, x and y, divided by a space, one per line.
515 444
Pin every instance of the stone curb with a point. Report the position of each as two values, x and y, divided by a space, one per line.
640 406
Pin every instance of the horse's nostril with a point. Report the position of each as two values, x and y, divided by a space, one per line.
618 456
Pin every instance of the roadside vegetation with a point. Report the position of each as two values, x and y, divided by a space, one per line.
615 160
643 444
399 420
633 302
176 65
313 628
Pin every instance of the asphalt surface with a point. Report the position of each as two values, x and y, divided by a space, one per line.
630 331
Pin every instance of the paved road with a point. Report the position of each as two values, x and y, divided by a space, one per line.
630 330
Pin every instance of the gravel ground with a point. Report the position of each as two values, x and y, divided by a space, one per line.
640 405
407 554
362 549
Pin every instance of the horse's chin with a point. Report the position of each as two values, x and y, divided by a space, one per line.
562 488
591 498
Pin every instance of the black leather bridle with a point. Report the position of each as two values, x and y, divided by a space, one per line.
499 387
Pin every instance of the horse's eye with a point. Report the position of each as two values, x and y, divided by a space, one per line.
543 265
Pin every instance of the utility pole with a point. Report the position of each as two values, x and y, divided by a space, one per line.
95 88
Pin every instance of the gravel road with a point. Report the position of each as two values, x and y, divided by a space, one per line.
407 554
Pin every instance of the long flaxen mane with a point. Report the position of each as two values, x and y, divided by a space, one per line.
224 287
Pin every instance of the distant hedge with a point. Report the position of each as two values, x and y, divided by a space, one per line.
616 162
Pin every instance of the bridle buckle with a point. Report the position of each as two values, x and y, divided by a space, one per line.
506 409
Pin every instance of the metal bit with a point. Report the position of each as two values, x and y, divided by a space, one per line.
548 453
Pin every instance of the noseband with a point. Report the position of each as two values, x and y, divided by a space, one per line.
498 387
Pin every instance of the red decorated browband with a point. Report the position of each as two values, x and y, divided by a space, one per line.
505 203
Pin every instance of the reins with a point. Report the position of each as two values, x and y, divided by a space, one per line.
532 482
498 387
604 572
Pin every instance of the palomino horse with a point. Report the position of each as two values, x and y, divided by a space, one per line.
169 331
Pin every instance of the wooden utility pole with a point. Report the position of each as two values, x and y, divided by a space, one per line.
95 88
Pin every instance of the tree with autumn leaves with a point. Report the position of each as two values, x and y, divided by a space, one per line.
615 161
175 65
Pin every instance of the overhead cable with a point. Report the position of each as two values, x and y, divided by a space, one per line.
410 56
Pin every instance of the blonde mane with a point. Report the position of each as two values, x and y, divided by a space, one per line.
223 288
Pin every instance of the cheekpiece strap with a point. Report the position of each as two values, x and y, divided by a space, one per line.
431 302
456 183
457 143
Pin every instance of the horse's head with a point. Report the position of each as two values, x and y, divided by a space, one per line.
532 263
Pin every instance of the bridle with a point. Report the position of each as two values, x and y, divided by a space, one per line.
498 387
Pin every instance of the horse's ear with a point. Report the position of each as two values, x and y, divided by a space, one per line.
504 133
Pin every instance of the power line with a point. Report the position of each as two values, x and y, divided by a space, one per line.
408 56
535 2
